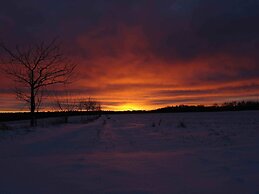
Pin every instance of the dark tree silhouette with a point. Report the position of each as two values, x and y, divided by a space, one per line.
89 105
34 68
66 104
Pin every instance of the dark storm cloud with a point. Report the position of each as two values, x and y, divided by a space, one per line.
175 29
19 20
205 28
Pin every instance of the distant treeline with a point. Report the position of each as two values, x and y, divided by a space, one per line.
227 106
40 115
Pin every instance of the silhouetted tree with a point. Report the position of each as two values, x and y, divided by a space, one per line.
66 104
89 105
34 68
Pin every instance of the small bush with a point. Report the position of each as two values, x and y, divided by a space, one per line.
160 121
181 124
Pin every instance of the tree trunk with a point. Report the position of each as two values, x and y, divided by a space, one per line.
32 107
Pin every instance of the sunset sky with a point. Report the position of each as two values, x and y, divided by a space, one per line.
143 54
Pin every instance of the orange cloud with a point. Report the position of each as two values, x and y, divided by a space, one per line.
118 67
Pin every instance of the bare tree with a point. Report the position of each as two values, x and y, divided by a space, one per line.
66 104
89 105
34 68
92 106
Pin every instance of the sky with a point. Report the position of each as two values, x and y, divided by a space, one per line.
143 54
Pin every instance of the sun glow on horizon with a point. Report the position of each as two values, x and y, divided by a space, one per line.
129 107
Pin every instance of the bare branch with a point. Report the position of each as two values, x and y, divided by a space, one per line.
36 67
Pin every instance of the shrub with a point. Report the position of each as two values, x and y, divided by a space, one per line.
181 124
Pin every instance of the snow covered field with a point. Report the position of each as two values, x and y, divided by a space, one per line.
178 153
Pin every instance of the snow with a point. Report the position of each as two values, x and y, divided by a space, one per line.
182 153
